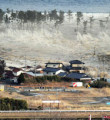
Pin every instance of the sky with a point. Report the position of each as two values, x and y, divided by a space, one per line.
98 6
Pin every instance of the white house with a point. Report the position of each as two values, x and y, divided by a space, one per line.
52 71
54 65
17 71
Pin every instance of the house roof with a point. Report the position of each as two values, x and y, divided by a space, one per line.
48 69
9 74
62 74
77 75
10 67
28 67
74 68
76 62
16 69
53 63
27 75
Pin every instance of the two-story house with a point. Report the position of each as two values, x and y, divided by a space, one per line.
53 68
76 66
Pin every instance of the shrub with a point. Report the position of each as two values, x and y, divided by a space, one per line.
13 104
100 84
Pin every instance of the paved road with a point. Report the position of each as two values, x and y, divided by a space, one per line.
47 111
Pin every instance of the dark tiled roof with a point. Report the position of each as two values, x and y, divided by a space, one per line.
16 69
76 62
62 74
27 75
53 63
9 74
27 67
51 69
12 67
74 68
77 75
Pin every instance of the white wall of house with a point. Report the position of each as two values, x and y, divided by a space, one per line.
53 73
15 80
17 73
77 65
54 65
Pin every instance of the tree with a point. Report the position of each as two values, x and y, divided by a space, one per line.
21 79
1 15
53 15
61 16
39 16
91 21
14 15
2 67
79 16
85 26
69 14
22 16
31 15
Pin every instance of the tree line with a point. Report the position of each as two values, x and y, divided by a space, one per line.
32 15
43 79
12 104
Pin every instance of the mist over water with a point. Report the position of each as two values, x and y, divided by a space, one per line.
44 42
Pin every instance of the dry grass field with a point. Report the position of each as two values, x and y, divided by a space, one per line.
69 100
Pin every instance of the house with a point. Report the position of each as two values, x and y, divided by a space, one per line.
27 68
39 69
10 77
76 66
34 74
79 76
62 74
17 71
53 68
52 71
54 65
2 87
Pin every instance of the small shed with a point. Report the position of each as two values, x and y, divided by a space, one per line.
2 87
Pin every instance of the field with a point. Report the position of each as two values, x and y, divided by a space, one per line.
81 99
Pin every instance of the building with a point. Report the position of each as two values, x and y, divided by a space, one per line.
54 65
53 68
52 71
17 71
62 74
76 66
10 77
27 68
2 87
79 76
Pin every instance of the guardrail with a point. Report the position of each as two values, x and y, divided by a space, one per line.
48 111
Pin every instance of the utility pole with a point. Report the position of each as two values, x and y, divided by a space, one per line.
94 51
35 69
103 66
25 62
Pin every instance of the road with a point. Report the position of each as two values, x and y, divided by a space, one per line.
48 111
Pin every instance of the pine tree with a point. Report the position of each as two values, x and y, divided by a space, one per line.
21 79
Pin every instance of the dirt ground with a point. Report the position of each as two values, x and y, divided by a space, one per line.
84 99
